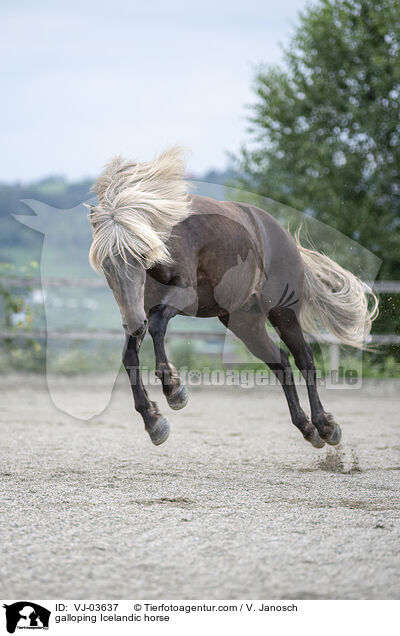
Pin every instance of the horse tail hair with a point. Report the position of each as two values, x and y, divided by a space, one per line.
336 300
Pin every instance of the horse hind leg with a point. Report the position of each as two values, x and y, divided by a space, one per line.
249 326
286 323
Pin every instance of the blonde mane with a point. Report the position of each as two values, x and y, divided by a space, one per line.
138 205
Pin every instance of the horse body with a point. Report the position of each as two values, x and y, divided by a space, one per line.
165 253
225 255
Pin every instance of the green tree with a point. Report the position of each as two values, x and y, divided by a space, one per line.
325 128
16 314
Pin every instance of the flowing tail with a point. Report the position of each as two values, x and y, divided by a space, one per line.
335 299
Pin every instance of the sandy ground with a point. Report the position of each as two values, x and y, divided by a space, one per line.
234 505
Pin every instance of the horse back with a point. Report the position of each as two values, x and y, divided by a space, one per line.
230 253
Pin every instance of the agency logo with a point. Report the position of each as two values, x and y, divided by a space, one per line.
26 615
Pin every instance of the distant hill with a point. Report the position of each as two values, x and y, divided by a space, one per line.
222 177
54 191
16 241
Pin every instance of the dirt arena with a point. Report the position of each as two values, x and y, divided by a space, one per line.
234 505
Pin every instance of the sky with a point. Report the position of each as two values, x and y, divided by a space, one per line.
85 80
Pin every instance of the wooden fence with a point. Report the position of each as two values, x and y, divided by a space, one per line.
382 287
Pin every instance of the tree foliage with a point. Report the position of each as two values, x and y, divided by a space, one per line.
325 129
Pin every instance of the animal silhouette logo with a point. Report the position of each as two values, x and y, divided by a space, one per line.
26 615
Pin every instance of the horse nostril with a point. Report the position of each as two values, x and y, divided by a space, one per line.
137 332
140 332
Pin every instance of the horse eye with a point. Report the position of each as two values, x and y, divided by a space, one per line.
106 265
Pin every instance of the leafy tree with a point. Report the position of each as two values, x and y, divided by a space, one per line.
325 129
16 314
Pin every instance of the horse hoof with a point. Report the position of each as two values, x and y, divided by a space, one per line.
159 432
335 437
179 399
316 441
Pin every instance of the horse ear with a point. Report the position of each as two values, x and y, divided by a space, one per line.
90 207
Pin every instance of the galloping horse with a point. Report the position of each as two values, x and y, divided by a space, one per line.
165 252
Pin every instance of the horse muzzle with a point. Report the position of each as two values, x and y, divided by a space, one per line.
136 332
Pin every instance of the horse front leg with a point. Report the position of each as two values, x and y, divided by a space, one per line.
155 424
174 390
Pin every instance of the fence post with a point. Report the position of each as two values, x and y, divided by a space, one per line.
334 358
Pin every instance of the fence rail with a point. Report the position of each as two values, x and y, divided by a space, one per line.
116 334
34 281
382 287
